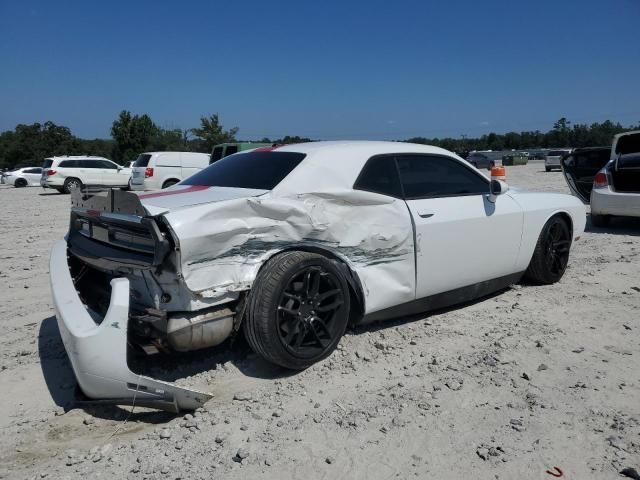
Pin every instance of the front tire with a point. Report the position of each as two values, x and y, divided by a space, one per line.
20 183
298 310
551 254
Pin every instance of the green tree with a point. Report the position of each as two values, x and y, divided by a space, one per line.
211 133
132 135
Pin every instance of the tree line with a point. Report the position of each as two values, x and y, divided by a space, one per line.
563 134
134 134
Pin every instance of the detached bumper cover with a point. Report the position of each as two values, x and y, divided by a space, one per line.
98 353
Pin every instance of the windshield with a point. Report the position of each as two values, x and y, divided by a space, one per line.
257 170
142 160
557 153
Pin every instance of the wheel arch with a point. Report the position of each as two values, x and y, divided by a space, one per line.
353 280
170 179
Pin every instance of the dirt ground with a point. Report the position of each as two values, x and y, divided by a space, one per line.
507 387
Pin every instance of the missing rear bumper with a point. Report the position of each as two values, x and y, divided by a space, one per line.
98 353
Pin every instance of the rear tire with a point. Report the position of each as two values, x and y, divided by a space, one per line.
547 169
551 254
600 221
71 183
491 165
169 183
298 310
20 183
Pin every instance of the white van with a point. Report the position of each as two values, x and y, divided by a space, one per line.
156 170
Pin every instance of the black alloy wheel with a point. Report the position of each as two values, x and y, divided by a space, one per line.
557 247
307 312
551 255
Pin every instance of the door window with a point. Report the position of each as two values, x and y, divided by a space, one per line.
427 176
70 164
107 164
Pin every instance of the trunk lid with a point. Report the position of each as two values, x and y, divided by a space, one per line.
625 153
580 167
181 196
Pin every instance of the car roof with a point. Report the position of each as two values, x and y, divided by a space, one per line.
335 165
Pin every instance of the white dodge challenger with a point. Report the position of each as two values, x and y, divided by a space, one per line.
290 245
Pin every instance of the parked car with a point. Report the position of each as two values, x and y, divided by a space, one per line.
552 160
157 170
225 149
23 177
607 177
69 172
290 245
481 160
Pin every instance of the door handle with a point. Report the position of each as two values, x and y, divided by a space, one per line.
425 214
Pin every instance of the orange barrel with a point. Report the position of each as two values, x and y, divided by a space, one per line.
498 173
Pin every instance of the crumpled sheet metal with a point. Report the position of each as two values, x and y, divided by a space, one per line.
223 245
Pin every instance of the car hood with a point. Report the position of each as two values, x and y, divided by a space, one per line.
181 196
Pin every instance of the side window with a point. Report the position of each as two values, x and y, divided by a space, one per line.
231 149
434 176
379 175
89 164
68 164
107 164
33 170
217 154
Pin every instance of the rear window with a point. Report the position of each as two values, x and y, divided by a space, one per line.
47 163
259 170
142 160
231 149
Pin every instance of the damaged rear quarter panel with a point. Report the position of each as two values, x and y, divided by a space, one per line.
223 245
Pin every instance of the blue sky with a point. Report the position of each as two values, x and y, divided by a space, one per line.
325 69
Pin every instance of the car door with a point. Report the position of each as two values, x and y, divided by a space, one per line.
32 175
580 168
85 170
111 174
462 238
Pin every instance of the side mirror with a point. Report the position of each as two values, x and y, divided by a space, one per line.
497 187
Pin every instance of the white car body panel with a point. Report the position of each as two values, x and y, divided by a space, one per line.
605 201
223 236
444 227
168 166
